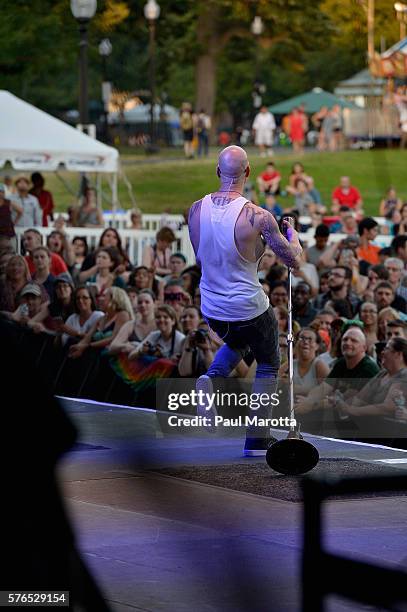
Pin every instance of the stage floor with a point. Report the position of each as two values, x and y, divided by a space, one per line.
159 543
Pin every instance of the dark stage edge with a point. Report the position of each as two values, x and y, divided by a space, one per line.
125 429
159 543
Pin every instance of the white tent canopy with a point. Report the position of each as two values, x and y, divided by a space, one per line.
30 139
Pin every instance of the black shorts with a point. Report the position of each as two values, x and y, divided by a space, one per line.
188 135
259 334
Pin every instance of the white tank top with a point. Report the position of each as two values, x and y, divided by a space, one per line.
230 288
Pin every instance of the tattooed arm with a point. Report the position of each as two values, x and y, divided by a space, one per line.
289 251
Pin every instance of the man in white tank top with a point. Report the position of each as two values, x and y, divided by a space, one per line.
228 234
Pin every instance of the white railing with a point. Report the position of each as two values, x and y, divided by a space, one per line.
133 240
136 240
121 220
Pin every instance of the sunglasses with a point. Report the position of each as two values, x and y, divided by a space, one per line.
174 297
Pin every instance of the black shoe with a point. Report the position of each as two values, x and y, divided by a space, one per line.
257 447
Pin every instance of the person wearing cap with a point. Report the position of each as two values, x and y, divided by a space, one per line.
32 213
53 314
336 252
7 208
31 299
177 265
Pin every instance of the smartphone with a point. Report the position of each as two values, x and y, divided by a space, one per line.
347 253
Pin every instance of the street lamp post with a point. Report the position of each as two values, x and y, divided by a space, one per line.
401 12
257 28
151 13
83 11
105 49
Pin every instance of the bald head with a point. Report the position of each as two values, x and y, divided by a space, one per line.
232 163
354 343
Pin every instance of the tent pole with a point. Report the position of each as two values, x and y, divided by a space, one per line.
114 196
99 190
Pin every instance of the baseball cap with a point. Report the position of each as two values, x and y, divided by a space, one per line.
351 241
31 289
64 277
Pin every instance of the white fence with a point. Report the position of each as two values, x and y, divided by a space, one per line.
121 220
136 240
133 240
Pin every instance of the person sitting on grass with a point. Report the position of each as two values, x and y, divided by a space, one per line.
88 214
346 195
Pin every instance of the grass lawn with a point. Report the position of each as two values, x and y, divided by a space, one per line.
175 184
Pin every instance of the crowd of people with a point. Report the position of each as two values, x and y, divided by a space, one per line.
324 129
195 127
107 328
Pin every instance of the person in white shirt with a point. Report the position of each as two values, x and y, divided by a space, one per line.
263 126
32 213
82 320
228 234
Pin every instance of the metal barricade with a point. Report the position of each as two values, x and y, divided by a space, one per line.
326 573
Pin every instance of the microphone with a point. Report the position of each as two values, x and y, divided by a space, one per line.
285 227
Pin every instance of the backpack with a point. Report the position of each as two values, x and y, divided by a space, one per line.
186 121
201 125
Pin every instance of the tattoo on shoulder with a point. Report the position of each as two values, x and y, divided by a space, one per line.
252 212
266 227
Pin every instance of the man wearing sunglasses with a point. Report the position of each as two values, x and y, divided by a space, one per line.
229 234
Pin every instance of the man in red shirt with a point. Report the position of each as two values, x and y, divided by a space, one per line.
269 180
33 239
44 197
346 195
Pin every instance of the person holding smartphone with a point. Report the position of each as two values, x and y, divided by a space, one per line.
229 233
